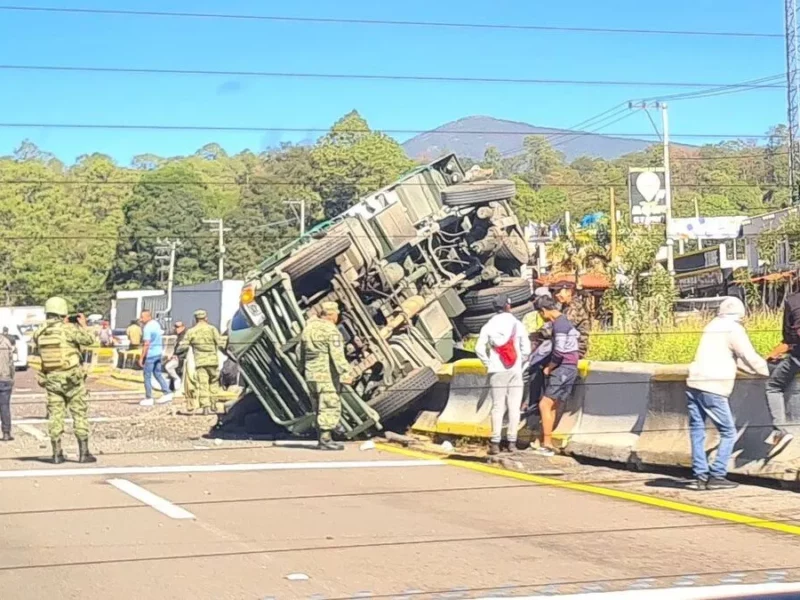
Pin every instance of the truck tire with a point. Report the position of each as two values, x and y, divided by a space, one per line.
478 192
402 395
514 248
315 255
480 301
473 323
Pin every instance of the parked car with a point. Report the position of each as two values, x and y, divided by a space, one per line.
414 268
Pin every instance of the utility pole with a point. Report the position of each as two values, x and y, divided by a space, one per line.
790 7
166 251
697 216
302 217
613 214
218 226
668 189
662 106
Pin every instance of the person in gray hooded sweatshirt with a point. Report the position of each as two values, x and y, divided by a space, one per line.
724 348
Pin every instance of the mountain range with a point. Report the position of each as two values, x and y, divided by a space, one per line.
471 136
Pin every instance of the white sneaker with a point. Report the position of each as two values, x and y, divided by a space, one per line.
146 402
165 399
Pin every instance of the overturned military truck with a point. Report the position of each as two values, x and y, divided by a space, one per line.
414 267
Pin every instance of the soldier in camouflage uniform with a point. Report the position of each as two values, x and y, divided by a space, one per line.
575 311
205 341
324 363
59 344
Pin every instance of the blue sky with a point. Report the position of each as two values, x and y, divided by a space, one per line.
208 44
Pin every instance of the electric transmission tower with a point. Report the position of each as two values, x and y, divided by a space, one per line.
790 7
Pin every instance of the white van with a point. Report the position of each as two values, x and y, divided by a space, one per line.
20 345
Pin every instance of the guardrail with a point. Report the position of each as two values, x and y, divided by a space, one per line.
633 413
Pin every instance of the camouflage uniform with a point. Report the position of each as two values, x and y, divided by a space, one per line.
323 348
577 314
205 340
65 384
533 322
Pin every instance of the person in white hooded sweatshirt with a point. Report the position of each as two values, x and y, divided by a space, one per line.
505 381
724 348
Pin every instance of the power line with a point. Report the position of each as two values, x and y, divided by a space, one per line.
734 88
366 77
345 21
396 131
234 182
307 130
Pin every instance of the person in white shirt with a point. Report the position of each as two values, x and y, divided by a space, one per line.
724 347
503 347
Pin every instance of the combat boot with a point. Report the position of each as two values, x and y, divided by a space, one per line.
83 452
326 442
58 453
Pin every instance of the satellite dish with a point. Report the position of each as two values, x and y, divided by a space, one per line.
649 184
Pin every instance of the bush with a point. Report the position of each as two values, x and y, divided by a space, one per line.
677 343
670 343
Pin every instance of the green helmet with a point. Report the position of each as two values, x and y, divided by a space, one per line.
56 306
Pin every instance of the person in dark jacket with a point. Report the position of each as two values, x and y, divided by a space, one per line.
174 366
6 385
785 361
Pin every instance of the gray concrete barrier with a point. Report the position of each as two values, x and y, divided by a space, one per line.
612 403
633 413
636 414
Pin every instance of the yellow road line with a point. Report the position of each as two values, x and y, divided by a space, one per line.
712 513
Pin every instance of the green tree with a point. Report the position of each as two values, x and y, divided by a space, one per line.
351 160
540 159
265 220
167 203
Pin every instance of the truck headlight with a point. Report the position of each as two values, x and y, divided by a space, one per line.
248 301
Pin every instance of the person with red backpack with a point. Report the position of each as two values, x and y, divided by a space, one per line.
503 347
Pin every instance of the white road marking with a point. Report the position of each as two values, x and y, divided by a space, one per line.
142 495
33 432
235 468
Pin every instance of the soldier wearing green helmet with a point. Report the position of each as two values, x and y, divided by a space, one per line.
59 344
205 341
325 367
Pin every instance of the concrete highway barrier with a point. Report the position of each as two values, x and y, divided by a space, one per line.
632 413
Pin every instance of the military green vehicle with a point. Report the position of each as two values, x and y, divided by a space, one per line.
414 268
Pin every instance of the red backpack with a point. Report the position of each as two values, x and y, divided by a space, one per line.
508 351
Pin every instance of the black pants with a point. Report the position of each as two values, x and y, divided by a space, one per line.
5 405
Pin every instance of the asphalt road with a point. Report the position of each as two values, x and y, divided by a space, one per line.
297 523
25 384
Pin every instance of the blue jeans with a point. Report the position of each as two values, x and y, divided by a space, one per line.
781 380
152 368
701 405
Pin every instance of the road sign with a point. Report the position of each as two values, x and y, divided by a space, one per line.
647 192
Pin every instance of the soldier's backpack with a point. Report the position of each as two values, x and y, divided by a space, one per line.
54 351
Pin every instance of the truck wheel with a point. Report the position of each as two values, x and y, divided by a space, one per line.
402 395
315 255
473 323
478 192
514 248
480 301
